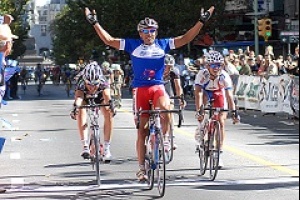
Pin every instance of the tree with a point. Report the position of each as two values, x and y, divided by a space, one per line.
75 38
15 8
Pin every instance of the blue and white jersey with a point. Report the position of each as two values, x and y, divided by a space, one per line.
147 60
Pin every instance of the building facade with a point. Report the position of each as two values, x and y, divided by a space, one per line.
42 17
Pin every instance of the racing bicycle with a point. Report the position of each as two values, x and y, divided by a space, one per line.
155 161
95 144
210 147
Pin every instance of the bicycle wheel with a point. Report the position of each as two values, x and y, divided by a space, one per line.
214 150
169 153
161 165
150 172
203 158
96 137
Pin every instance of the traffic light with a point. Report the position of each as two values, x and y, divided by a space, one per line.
268 28
265 28
261 27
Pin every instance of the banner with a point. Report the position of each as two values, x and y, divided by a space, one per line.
269 95
277 99
248 92
294 101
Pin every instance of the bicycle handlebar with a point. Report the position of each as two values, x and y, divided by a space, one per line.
110 105
157 112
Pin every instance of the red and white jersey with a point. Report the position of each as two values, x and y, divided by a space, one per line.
215 89
223 82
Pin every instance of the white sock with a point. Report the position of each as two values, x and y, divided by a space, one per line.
85 143
106 145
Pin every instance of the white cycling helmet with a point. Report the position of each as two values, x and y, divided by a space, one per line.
147 23
169 60
214 57
93 74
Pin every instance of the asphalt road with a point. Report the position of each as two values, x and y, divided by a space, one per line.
41 157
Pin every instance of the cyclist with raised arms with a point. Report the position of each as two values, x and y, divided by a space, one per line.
92 83
214 83
147 55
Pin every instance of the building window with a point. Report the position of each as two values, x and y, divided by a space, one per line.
43 30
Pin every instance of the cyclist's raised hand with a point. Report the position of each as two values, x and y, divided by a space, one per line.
91 16
205 15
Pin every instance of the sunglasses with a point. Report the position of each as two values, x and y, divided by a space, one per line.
215 66
147 31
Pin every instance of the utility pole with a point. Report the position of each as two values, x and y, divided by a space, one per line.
256 27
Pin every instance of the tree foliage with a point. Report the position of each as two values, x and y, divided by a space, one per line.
15 8
75 37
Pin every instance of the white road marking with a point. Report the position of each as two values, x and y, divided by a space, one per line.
15 139
17 183
179 183
15 156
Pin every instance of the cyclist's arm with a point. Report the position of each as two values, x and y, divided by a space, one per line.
103 34
79 96
230 99
106 37
178 88
198 97
190 34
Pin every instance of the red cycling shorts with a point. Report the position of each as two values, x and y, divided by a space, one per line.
144 95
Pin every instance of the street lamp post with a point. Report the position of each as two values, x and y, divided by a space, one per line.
256 42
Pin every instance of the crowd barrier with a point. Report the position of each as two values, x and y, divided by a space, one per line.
273 94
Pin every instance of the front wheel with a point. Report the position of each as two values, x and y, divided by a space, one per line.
96 137
149 173
203 158
161 166
169 153
214 150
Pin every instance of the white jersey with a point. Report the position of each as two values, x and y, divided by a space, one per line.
223 82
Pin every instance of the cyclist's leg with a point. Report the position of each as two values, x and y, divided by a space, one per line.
161 101
108 124
142 97
83 132
82 124
223 117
